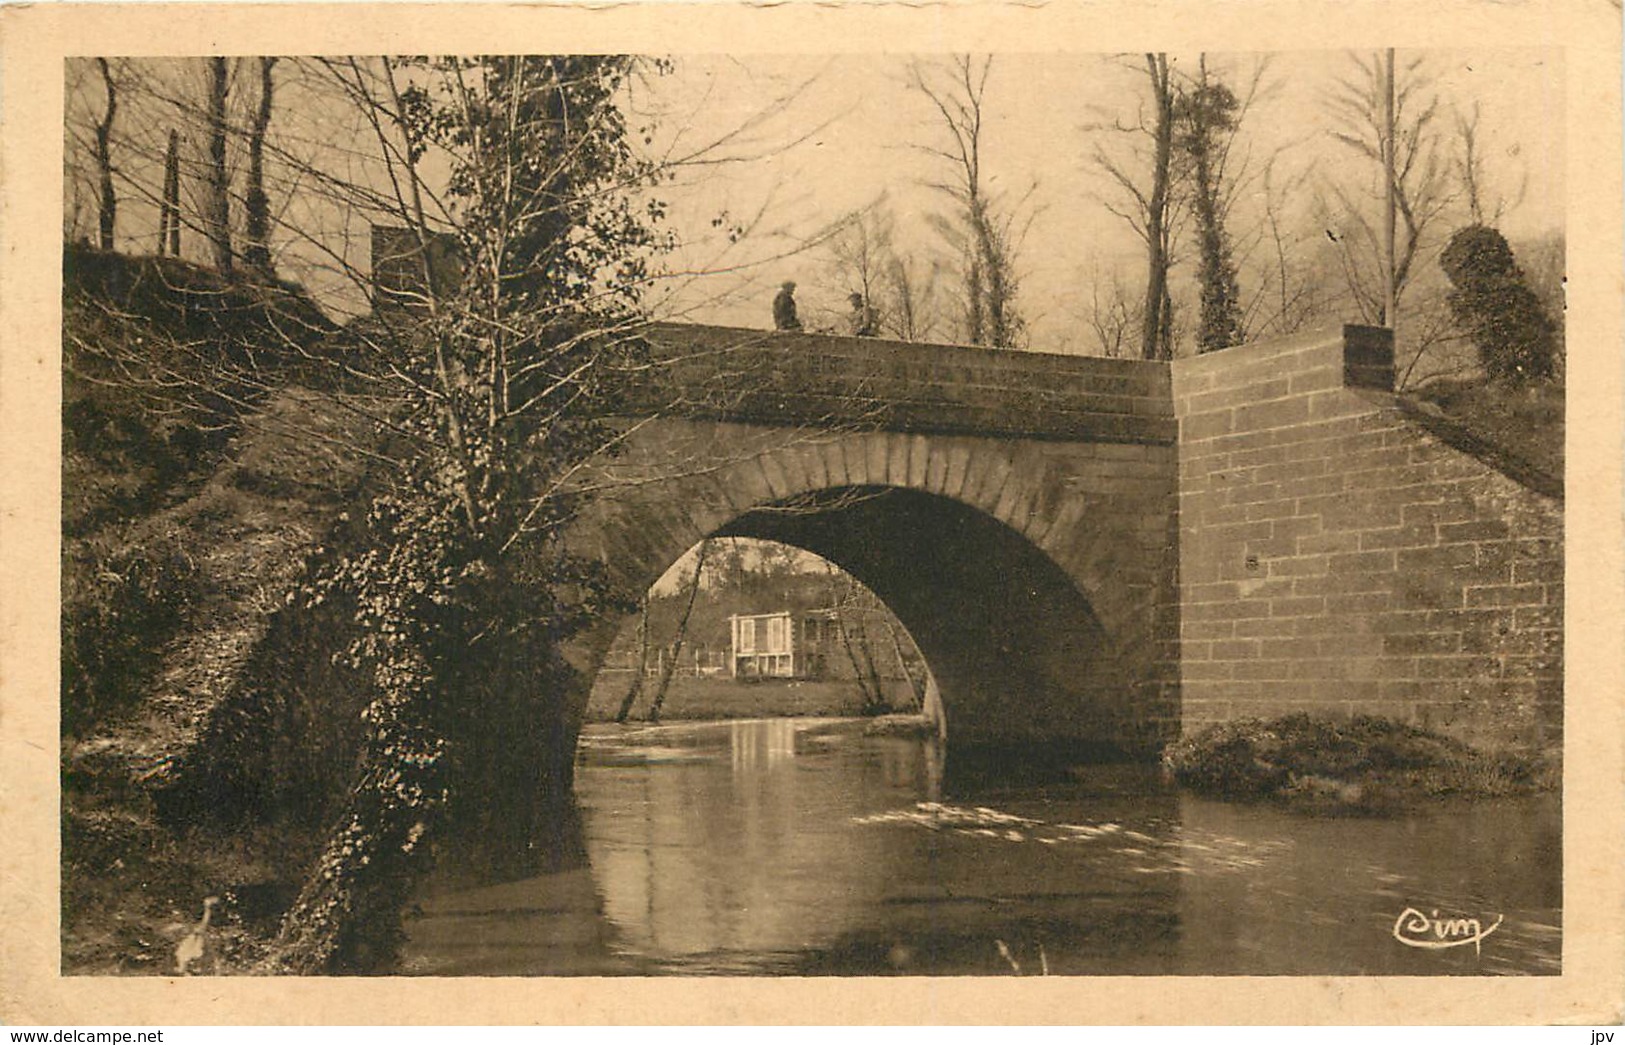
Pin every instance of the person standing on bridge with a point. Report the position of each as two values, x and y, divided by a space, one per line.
784 308
863 320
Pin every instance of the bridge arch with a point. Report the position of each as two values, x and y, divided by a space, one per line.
1030 574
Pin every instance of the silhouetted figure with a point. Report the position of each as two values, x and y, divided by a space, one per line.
784 308
863 320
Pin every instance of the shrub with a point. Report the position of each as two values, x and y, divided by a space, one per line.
1363 764
1494 305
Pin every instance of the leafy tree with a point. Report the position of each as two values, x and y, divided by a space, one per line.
1494 304
461 596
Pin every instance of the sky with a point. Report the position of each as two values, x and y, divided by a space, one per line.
793 144
863 126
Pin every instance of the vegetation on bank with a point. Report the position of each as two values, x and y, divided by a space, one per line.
1517 426
1358 765
197 477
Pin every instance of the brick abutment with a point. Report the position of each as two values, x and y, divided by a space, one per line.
1336 557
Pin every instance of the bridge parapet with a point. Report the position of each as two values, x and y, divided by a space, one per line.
728 373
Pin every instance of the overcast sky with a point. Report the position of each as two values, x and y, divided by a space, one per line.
868 122
826 135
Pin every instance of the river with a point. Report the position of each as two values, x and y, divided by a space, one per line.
806 847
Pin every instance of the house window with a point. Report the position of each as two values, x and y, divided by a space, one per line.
775 635
747 636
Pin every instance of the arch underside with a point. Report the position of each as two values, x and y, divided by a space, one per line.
1014 646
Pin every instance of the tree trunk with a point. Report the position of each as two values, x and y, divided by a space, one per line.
108 210
256 204
916 686
636 688
1157 332
169 213
1390 279
843 601
867 698
669 667
217 217
877 702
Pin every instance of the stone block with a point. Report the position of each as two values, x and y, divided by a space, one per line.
1297 606
1277 414
1197 428
1507 595
1422 643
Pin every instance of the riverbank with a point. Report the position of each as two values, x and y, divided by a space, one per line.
1356 766
691 699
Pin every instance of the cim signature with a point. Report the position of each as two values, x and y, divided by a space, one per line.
1415 929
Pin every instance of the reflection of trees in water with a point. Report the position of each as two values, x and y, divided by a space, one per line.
488 850
755 855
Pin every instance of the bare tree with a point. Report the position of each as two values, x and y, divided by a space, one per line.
1149 202
640 667
668 666
1112 315
107 212
1294 273
916 684
1420 184
911 311
860 250
981 228
217 179
848 621
864 259
1473 177
256 204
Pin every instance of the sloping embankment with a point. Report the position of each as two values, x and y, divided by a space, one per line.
148 831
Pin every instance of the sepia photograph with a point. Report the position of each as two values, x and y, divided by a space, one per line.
568 512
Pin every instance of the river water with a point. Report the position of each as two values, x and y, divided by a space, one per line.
806 847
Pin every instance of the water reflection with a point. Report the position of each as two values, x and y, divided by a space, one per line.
747 856
807 847
1328 901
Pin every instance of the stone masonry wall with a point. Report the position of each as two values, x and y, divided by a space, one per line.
1336 557
1098 514
782 378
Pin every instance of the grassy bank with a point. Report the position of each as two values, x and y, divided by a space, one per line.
718 698
1360 765
164 708
197 477
1518 429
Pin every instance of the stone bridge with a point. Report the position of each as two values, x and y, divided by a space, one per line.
1097 553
